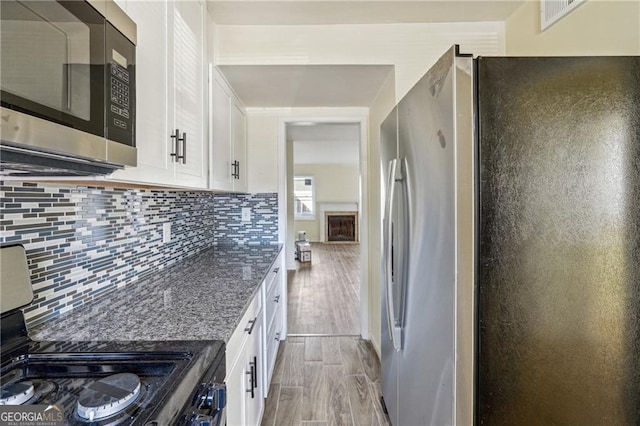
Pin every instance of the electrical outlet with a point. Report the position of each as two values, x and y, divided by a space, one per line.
246 272
166 232
246 214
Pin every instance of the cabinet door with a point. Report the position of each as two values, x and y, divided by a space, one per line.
188 89
152 57
240 147
272 342
221 140
255 401
237 382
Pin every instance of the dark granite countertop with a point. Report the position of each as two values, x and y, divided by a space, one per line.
200 298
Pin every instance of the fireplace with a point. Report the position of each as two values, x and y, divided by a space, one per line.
341 226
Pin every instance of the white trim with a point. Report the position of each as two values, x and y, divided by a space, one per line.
359 115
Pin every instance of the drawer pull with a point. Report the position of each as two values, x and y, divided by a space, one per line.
277 337
251 324
251 374
255 372
275 271
276 299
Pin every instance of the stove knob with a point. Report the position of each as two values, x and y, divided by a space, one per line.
213 398
201 420
200 395
218 397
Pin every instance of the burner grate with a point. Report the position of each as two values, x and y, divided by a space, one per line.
108 396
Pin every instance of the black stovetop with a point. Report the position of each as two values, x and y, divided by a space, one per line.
172 375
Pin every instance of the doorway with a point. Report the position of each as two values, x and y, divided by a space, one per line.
325 179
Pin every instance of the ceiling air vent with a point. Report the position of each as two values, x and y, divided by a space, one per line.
552 10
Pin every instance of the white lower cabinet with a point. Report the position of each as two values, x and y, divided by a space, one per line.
252 349
274 309
245 395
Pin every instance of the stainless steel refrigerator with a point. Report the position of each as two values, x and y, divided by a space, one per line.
511 258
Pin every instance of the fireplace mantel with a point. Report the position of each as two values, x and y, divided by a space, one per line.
338 207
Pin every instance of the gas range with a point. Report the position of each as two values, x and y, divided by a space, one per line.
118 383
150 383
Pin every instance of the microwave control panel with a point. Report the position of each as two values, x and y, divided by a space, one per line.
119 95
120 79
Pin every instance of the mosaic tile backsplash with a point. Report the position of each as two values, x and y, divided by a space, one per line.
263 224
82 241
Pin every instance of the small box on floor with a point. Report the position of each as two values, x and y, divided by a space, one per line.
303 251
305 256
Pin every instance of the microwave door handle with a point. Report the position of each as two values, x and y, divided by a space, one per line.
388 248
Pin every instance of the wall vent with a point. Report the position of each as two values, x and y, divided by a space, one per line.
551 11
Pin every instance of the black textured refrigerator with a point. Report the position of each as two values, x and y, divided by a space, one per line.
511 243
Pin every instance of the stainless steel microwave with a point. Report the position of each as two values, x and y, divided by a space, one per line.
68 87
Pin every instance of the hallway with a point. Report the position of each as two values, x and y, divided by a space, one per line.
322 381
325 374
324 296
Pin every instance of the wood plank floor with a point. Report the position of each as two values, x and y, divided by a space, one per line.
324 381
324 295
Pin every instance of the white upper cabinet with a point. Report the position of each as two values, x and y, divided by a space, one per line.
189 92
239 121
229 137
221 146
170 94
152 58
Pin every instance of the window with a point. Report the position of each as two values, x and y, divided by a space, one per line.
304 194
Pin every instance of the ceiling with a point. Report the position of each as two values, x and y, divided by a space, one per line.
308 12
292 86
325 143
300 86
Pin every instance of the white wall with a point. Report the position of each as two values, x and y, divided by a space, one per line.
262 151
335 183
597 27
411 48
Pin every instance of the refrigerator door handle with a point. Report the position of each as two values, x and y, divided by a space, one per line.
395 331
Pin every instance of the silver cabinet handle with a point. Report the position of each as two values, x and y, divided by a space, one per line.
275 271
255 372
276 299
176 156
277 337
251 373
251 324
236 169
176 138
183 157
